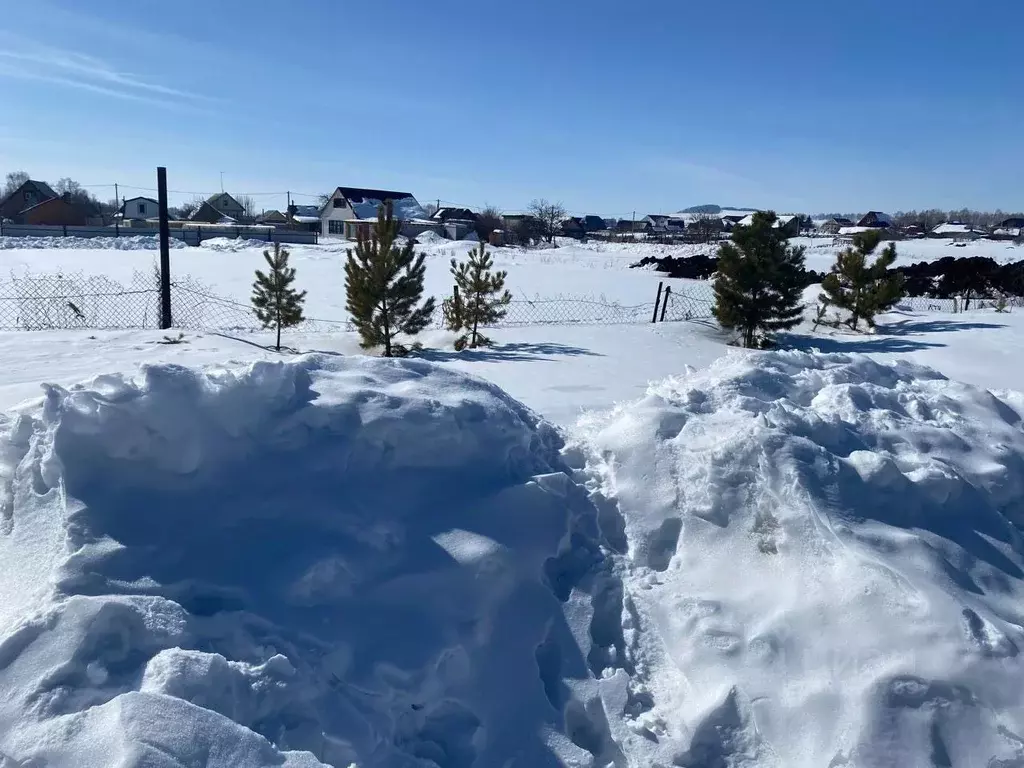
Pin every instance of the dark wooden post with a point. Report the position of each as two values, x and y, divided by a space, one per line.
657 303
165 250
664 303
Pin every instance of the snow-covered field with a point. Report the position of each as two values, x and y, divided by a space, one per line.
821 252
625 545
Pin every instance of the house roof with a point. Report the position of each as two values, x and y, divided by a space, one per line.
219 195
40 186
140 197
450 213
365 202
307 210
952 228
780 221
881 218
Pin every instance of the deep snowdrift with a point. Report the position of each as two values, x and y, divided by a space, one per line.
336 560
791 560
824 564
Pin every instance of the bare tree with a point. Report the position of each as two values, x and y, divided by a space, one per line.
14 180
75 191
322 199
186 209
430 209
704 226
248 205
488 220
549 215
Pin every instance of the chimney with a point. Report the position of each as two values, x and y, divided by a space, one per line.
66 197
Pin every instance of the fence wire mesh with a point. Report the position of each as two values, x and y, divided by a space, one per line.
80 301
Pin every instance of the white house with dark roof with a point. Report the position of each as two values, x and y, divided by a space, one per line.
351 209
139 209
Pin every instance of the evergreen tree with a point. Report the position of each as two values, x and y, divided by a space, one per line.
861 287
275 302
384 285
480 296
759 282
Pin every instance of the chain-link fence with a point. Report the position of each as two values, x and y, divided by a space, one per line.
78 300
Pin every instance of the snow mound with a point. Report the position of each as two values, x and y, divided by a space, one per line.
429 237
126 243
824 564
327 561
237 244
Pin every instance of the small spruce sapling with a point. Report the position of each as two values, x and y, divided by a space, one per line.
484 300
861 287
759 285
384 286
276 303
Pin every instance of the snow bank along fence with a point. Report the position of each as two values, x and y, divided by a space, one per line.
81 301
192 235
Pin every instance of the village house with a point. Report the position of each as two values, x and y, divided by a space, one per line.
875 220
139 209
573 227
221 208
29 194
833 224
956 231
63 210
350 210
456 223
273 217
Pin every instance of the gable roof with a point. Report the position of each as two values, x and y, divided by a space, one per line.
449 213
41 187
880 219
133 199
780 221
364 202
218 195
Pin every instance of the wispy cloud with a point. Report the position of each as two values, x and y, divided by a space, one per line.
26 60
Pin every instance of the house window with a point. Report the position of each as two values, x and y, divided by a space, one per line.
339 202
335 227
142 209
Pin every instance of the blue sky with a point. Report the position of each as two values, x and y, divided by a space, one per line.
609 108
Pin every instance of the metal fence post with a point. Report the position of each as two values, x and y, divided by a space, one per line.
657 303
664 303
165 250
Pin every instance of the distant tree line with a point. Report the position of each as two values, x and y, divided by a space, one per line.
932 217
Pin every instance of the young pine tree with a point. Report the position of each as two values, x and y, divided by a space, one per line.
384 285
480 295
861 287
759 282
275 302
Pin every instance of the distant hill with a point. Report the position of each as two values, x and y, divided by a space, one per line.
711 208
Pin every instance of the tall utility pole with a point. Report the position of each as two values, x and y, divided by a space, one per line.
165 249
222 181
